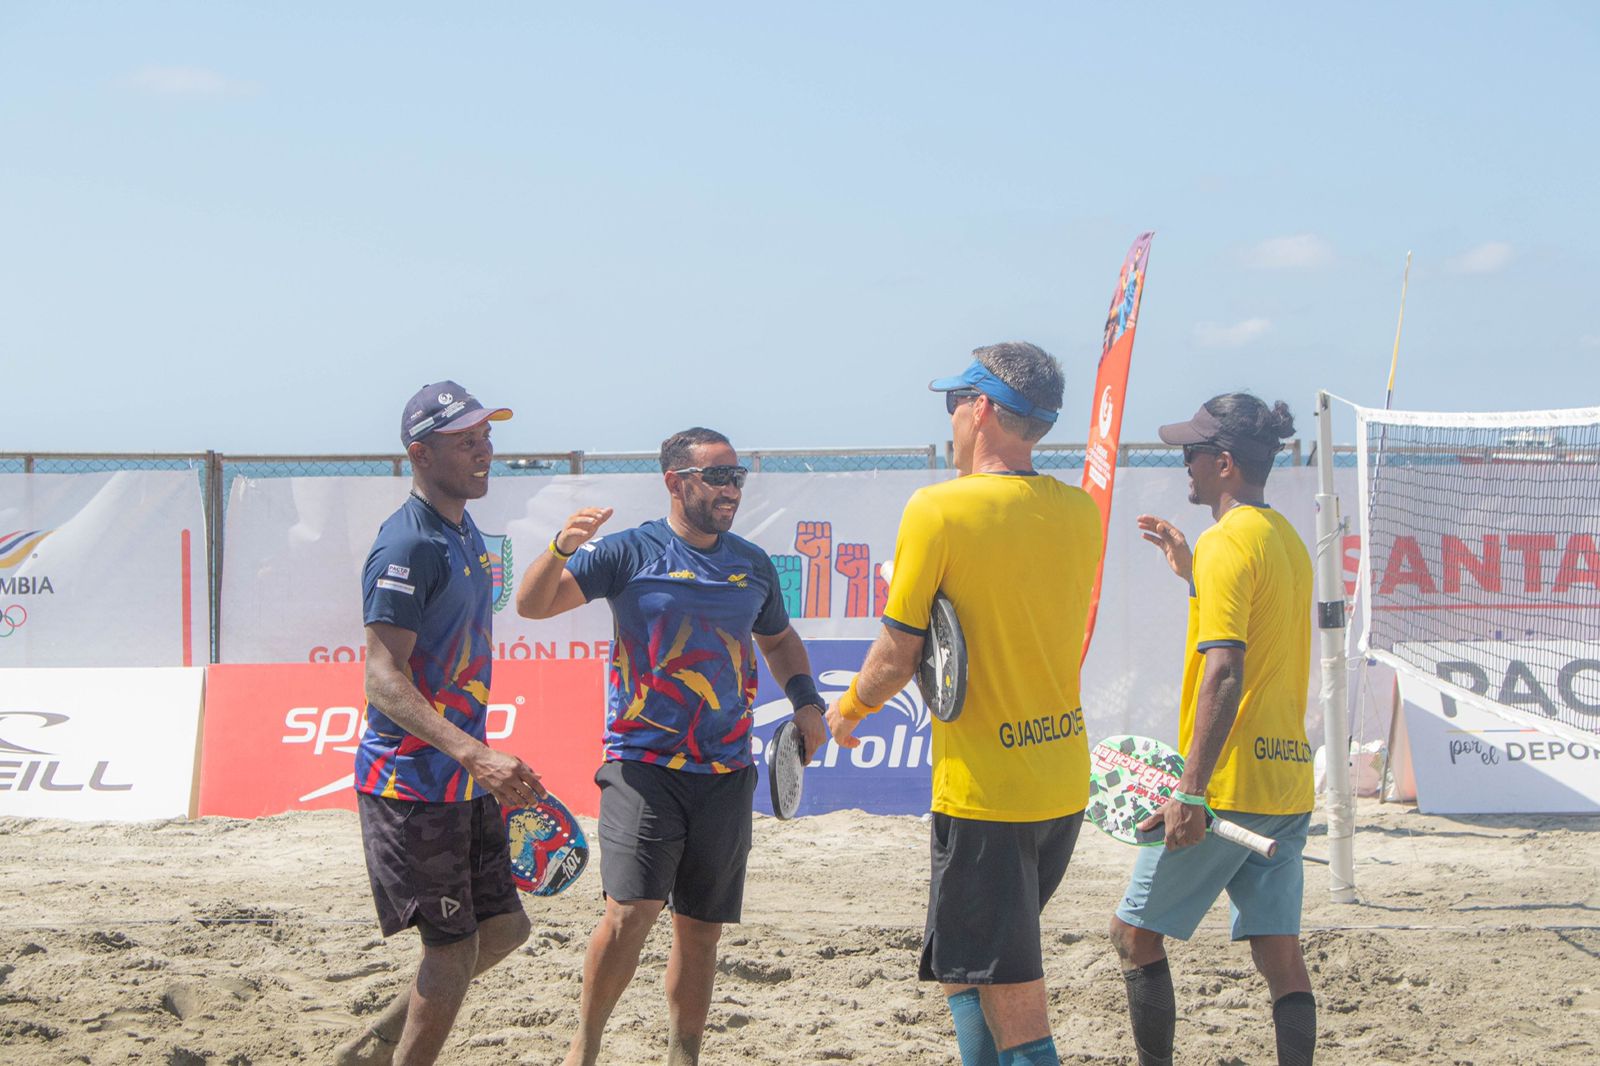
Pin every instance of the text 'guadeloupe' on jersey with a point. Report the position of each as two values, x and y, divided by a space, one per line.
1253 589
1016 555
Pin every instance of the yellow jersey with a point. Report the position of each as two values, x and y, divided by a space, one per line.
1252 589
1016 555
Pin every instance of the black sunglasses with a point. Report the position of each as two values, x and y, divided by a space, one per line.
1192 450
718 476
956 397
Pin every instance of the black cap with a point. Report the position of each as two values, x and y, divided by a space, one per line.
1206 428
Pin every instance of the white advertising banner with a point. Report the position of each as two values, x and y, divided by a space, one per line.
1468 760
103 569
295 548
99 744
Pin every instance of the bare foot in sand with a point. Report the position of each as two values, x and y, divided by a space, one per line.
367 1048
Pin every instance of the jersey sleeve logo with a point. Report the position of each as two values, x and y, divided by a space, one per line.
396 586
396 570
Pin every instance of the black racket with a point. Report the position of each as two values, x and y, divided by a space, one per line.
942 675
786 766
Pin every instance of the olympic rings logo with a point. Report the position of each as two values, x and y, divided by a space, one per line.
11 619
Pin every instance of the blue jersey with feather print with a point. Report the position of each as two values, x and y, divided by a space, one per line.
683 668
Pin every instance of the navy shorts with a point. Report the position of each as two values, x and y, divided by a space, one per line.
443 867
990 882
676 836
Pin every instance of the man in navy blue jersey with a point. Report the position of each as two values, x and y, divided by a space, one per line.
691 603
428 788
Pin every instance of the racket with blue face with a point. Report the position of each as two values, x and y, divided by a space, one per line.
548 848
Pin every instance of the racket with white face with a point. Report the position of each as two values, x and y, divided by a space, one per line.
1131 777
942 671
786 768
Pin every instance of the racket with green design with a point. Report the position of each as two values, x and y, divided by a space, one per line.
1131 777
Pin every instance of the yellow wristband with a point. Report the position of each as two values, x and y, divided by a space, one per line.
555 549
851 707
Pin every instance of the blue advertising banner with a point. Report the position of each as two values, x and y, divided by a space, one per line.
890 773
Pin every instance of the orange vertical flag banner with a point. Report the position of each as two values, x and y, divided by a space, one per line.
1110 390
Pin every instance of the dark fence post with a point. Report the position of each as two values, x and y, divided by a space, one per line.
215 511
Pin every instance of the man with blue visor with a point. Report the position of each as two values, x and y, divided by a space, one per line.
1015 552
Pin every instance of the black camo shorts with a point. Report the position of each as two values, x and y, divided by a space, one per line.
443 867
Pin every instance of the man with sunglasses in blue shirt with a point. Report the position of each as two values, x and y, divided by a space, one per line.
691 603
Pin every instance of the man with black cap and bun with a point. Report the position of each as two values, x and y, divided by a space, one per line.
1241 730
1015 552
429 790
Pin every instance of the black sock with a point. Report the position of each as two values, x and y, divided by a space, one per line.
1295 1018
1154 1012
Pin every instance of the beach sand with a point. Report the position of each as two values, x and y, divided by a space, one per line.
1477 940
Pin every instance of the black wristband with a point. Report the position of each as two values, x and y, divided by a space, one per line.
802 691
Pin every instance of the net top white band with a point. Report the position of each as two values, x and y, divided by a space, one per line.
1575 416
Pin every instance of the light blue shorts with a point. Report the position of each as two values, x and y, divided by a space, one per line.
1170 891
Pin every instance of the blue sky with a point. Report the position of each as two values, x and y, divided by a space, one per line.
259 227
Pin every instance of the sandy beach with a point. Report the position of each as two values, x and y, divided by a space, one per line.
252 942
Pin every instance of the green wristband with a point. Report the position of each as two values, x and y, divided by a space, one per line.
1184 797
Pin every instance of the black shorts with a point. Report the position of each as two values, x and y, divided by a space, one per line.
443 867
990 882
675 836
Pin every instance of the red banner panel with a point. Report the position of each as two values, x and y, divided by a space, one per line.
282 736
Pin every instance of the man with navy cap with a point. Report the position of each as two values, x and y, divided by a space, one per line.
429 790
1015 552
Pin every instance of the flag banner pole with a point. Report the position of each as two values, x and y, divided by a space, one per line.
1110 390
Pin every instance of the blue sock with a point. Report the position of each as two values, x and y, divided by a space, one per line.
1041 1052
972 1032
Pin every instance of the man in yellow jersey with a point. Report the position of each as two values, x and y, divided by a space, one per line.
1015 552
1241 729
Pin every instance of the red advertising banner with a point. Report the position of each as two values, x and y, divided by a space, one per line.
1110 390
282 736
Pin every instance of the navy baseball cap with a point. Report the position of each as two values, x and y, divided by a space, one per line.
977 376
445 407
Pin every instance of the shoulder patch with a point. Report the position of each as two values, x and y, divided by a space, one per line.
396 586
396 570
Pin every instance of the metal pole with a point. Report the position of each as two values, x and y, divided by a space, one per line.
214 513
1331 625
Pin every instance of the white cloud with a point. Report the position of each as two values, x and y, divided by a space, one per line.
1216 335
185 81
1484 259
1302 251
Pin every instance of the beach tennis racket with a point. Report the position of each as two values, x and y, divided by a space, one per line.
1131 777
942 674
548 848
786 769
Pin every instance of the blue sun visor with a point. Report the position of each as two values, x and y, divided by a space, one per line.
977 376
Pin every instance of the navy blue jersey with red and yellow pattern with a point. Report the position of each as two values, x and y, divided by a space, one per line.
433 578
683 667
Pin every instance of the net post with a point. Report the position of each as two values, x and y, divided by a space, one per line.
1331 626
